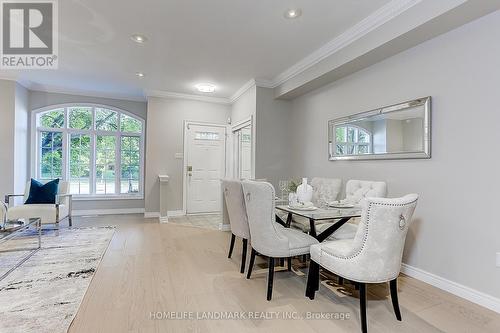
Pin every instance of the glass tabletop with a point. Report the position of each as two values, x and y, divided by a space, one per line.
323 213
11 226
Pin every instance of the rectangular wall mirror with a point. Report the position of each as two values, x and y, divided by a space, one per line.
393 132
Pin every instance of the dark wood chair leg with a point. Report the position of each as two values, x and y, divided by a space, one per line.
243 256
312 280
231 246
250 265
362 306
289 263
270 277
340 280
282 262
394 297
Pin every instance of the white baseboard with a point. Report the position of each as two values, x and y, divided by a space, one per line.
170 213
83 212
457 289
224 227
175 213
150 215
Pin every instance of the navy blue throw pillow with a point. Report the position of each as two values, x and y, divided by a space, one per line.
43 193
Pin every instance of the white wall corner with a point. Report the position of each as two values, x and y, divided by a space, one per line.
454 288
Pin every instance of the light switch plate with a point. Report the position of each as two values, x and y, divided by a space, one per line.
179 156
498 259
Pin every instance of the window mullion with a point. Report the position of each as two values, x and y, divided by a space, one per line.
118 162
92 175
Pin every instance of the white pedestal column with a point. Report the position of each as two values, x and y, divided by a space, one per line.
163 198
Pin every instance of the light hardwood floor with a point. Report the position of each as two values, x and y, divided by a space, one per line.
151 267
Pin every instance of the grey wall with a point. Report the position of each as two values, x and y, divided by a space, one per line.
272 137
21 139
456 231
7 135
39 99
165 137
244 106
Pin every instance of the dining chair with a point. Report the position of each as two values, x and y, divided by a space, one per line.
236 211
325 190
373 256
269 238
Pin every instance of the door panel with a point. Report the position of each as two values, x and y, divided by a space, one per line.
206 150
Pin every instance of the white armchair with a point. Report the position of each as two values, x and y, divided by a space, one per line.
49 213
267 237
374 255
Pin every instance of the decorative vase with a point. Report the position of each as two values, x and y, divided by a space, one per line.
304 191
292 199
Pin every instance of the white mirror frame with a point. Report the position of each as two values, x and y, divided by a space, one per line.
426 153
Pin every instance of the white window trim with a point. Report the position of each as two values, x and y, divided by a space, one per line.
35 154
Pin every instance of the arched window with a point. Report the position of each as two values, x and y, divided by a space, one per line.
352 140
97 148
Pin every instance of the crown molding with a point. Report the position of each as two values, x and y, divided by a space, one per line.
379 17
175 95
262 83
80 92
251 83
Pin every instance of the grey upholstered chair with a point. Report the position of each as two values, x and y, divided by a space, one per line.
356 190
235 204
269 238
374 255
325 190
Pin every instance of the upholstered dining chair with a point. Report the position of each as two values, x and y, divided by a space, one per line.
325 190
49 213
356 190
269 238
236 211
374 255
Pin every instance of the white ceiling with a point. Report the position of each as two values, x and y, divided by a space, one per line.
225 42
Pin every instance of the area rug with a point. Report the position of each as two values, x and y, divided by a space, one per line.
45 292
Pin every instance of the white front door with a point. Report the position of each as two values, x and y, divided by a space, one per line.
206 160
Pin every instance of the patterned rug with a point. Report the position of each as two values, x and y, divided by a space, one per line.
45 292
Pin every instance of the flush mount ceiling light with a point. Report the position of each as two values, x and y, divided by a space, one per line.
139 38
140 74
205 87
293 13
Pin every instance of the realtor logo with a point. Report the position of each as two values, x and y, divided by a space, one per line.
29 34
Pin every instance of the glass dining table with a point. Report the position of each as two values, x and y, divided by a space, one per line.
339 217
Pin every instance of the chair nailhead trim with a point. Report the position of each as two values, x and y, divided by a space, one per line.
365 236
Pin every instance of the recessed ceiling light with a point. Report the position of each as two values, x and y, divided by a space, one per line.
139 38
293 13
205 87
140 74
